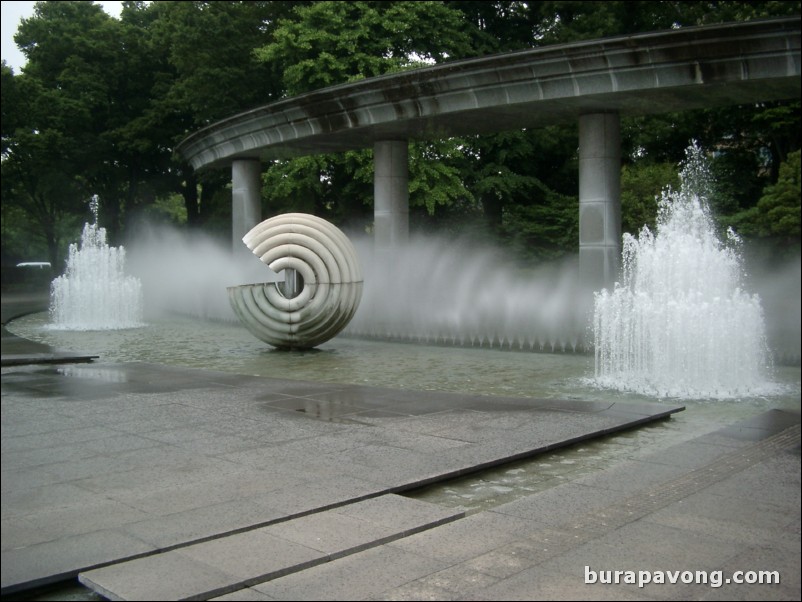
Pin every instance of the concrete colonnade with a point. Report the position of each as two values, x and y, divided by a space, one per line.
246 200
599 197
390 193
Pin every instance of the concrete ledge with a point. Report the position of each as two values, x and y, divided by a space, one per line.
45 358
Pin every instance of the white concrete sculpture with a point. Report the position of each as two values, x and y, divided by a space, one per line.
327 264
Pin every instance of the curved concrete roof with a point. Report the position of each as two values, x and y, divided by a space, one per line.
656 72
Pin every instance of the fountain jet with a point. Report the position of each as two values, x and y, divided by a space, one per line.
94 293
680 323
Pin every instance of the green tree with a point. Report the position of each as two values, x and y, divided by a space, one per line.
106 100
571 20
87 81
11 107
641 186
779 208
72 82
525 184
776 217
39 181
203 69
54 145
326 43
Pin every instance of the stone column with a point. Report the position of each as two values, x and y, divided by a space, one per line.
599 200
246 199
390 193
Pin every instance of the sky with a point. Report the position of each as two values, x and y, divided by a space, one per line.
12 12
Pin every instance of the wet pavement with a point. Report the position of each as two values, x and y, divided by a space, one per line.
148 481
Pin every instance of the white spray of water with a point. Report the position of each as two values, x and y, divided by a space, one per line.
680 324
434 290
94 293
187 273
431 290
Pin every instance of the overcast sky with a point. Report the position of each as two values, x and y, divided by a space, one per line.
12 12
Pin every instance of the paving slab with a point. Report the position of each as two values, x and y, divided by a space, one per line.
180 456
232 562
688 521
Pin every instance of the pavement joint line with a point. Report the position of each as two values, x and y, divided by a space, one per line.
400 490
249 528
88 577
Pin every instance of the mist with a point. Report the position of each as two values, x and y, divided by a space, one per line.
188 272
779 284
434 289
439 290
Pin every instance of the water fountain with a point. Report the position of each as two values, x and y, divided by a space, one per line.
94 293
680 323
433 290
438 291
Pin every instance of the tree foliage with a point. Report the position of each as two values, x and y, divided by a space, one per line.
102 102
641 186
776 216
59 146
326 43
779 208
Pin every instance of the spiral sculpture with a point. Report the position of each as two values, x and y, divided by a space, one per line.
332 282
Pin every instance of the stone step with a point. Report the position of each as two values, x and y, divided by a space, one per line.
213 568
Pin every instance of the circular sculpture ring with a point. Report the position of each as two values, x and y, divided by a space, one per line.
332 282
